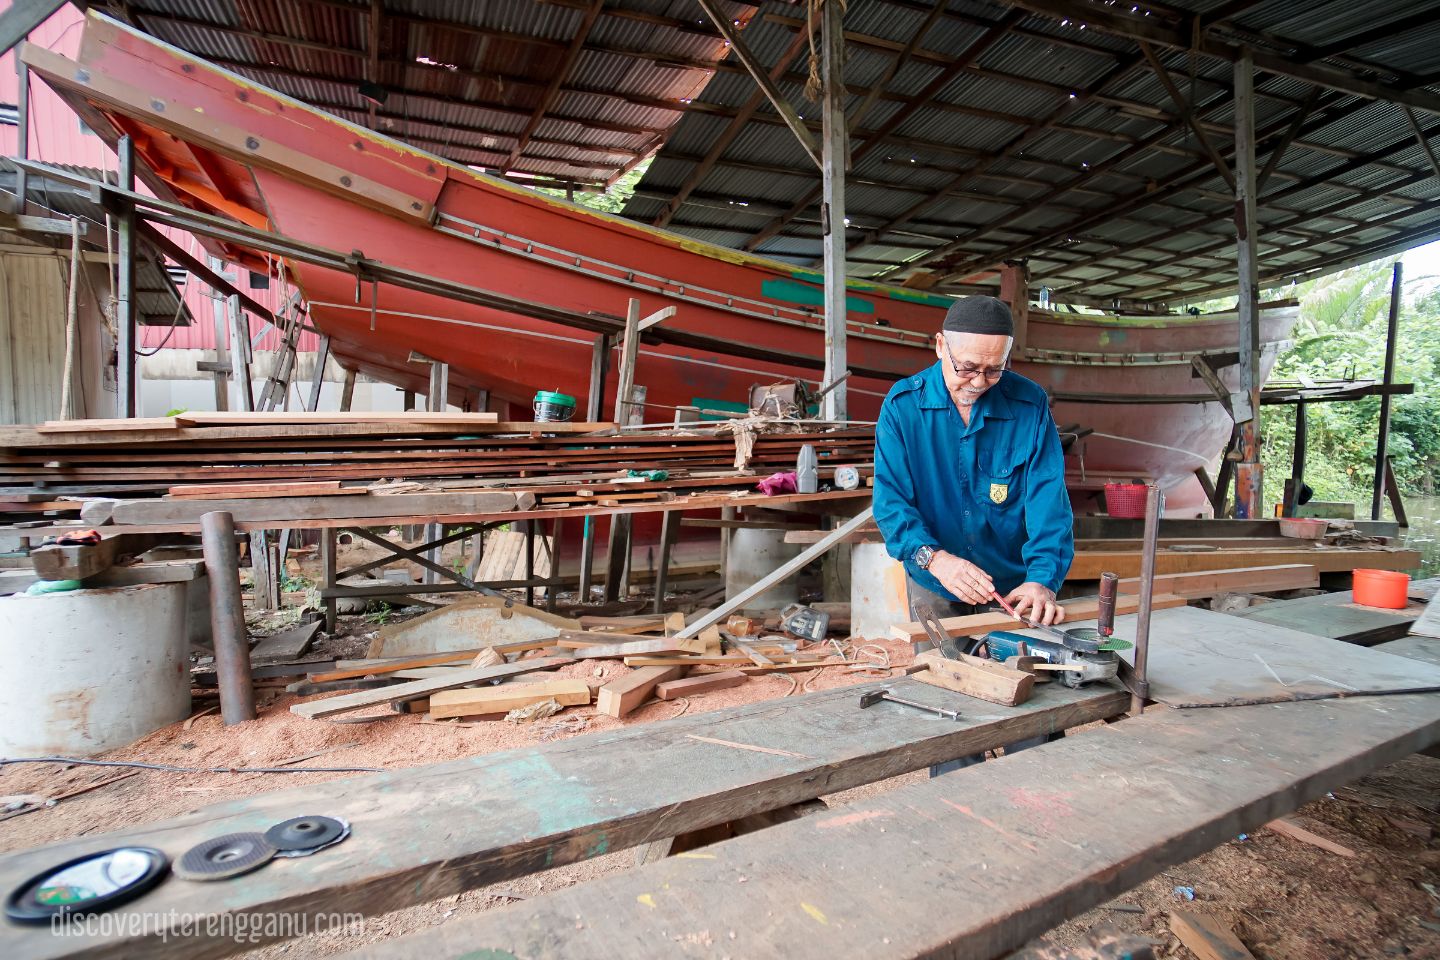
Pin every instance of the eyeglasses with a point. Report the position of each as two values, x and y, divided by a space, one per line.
969 371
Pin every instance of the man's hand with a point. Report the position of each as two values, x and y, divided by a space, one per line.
962 578
1037 603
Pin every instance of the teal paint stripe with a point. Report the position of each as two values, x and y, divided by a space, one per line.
810 295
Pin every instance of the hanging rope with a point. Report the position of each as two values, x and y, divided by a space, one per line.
815 83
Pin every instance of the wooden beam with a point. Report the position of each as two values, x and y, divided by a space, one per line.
557 79
1187 114
1076 611
757 72
416 689
1277 153
1248 492
451 842
835 161
619 697
1421 139
743 116
1212 773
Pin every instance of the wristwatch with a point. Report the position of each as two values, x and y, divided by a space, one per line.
924 555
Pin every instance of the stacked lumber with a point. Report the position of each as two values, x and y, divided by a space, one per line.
452 684
138 457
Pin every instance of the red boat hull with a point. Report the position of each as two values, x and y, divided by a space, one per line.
221 144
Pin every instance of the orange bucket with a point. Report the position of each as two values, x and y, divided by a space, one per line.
1381 588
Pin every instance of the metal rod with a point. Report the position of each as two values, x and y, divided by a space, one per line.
125 401
327 581
227 618
22 129
1154 504
1382 443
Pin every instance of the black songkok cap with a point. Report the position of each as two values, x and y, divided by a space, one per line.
984 315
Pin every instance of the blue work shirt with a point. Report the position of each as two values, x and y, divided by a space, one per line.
991 491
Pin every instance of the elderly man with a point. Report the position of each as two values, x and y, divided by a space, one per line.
969 475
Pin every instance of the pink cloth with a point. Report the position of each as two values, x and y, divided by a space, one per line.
778 483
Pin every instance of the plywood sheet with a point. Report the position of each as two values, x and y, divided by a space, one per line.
1204 659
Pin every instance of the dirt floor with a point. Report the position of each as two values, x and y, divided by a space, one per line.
1285 899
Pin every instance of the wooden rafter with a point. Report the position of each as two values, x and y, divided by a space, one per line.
1182 105
966 59
896 63
1423 140
557 79
1120 22
758 73
703 165
1278 153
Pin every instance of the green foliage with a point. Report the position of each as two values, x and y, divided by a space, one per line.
176 412
612 200
1341 333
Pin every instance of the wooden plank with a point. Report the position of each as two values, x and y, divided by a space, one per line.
1089 564
1429 623
1209 583
287 509
507 697
699 683
620 696
1337 616
107 426
1207 937
633 648
1199 658
975 677
420 688
1076 611
1294 831
429 832
74 561
222 491
1207 775
244 418
287 644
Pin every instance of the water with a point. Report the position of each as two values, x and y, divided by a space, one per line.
1424 532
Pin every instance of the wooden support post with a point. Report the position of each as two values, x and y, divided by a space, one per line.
22 131
436 400
1382 442
552 589
262 574
327 576
618 559
347 391
243 398
1248 474
599 369
587 558
127 401
1015 291
317 379
227 617
669 527
1392 490
1297 462
834 161
1219 500
626 412
527 527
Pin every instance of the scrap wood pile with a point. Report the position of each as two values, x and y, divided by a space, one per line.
412 671
369 454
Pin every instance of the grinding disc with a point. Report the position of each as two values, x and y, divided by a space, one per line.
224 857
299 836
86 885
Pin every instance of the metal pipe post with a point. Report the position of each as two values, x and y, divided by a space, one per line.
1154 504
834 160
1382 444
22 129
126 404
227 618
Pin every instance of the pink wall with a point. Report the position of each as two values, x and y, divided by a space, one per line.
56 137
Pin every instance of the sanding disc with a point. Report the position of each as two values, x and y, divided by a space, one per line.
300 836
224 857
85 885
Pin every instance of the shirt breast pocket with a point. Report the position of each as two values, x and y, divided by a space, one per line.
1002 484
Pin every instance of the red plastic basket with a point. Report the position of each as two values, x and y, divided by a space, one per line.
1125 500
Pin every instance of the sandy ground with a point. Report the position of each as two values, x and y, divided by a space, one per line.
1286 900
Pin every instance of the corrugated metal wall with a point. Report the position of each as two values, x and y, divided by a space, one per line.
33 303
